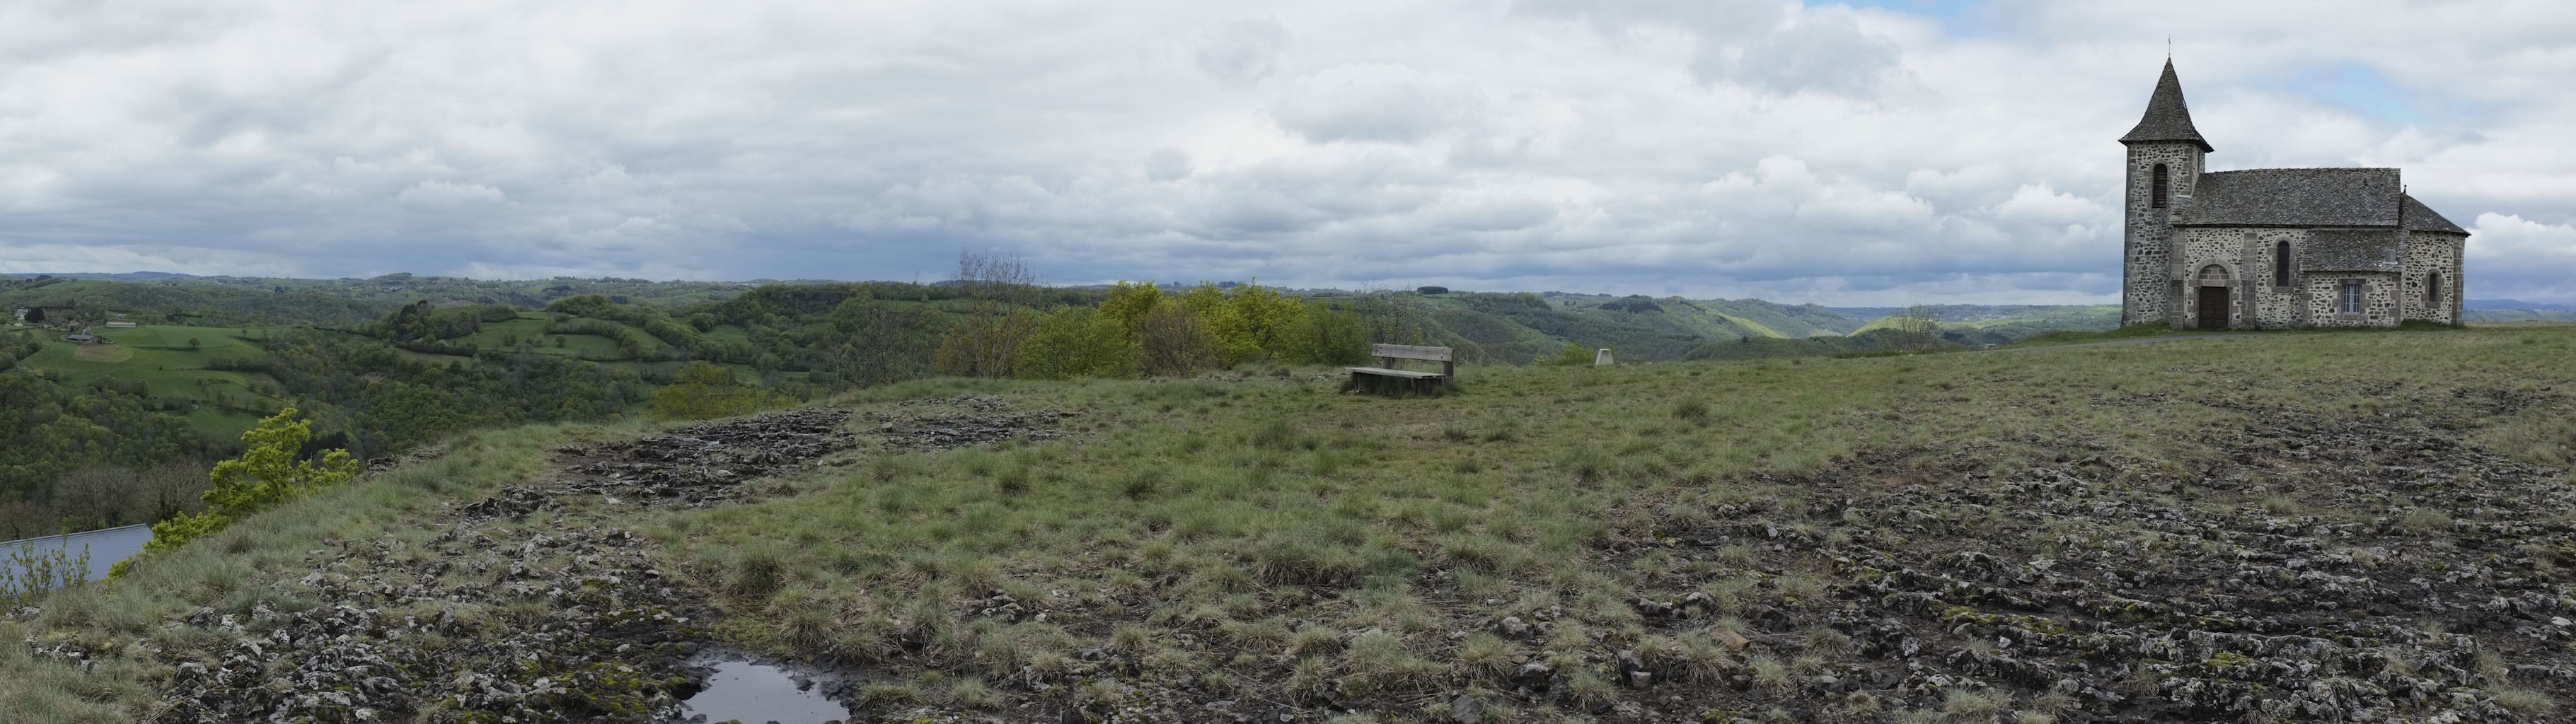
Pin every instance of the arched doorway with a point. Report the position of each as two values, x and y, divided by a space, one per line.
2213 297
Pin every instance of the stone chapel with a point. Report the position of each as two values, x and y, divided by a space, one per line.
2274 247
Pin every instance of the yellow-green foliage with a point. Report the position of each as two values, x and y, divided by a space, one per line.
705 391
1078 342
1139 329
1263 318
265 475
1129 301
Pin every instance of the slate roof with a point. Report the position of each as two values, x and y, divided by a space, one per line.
2168 117
2422 218
2293 197
105 547
2349 250
2306 197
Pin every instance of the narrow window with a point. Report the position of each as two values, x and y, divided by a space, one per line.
2281 264
2351 296
2433 290
2156 196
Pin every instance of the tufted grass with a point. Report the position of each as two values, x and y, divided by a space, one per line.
1216 513
234 570
1291 541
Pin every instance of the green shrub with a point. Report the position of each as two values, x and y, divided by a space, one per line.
265 475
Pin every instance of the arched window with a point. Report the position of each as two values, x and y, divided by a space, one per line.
2281 264
2163 178
2433 290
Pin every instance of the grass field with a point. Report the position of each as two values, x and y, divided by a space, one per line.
1267 538
530 328
159 358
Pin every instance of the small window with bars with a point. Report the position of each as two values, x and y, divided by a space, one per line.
2349 300
2161 191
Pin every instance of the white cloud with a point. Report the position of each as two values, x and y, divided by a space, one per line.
436 194
1704 147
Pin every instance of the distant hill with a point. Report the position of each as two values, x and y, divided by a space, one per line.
2479 304
2520 315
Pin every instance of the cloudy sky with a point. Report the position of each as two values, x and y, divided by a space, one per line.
1869 153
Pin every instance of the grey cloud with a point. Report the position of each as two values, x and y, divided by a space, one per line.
1818 51
1243 52
1834 155
1373 102
1167 164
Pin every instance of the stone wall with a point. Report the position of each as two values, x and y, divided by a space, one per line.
2281 301
2261 300
2198 249
2378 300
2428 252
2147 245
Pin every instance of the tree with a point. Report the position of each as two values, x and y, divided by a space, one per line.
1917 328
1171 341
266 475
94 498
1128 303
704 391
987 344
1329 336
192 343
1265 316
1077 342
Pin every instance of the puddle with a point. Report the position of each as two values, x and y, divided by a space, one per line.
754 693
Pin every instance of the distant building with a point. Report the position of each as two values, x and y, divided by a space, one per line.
2274 247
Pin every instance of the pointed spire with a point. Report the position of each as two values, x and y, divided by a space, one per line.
2168 118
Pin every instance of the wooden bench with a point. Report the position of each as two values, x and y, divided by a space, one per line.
1390 380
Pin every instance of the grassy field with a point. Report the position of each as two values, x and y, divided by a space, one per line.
1267 539
160 359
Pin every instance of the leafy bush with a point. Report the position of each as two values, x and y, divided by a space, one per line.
1077 342
35 573
705 391
266 475
1572 355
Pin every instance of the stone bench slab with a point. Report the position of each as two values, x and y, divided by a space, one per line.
1394 373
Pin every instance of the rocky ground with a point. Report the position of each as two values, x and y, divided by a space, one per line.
516 611
2321 567
951 423
2328 570
2317 566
